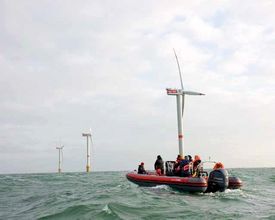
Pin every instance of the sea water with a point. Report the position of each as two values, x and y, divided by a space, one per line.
109 195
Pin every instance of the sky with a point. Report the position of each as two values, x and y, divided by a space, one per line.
68 66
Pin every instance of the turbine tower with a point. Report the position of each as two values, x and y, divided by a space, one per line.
180 94
60 152
89 137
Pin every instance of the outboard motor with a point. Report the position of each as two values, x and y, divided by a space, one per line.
217 181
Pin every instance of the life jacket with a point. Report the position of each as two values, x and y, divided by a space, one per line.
183 163
196 163
186 167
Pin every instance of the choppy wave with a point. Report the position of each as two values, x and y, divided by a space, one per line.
108 195
272 178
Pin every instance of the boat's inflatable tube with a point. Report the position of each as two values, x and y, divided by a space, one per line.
187 184
234 182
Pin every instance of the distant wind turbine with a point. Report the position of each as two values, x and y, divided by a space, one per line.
60 152
89 139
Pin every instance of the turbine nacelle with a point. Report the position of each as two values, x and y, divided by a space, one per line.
86 134
60 147
181 92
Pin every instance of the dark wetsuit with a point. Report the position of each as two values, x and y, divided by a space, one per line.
141 169
159 165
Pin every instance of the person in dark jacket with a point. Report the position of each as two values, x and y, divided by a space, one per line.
141 169
159 167
177 166
184 167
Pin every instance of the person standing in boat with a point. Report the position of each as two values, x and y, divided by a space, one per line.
177 166
159 167
141 169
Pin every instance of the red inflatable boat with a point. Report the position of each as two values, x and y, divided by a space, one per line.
217 180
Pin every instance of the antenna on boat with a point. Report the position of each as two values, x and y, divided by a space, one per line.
180 94
89 139
60 154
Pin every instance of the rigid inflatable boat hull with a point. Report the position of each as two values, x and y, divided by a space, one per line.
187 184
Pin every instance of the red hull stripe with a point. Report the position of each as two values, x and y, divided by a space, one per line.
185 181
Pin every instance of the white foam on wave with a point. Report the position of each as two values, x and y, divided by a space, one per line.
160 187
106 209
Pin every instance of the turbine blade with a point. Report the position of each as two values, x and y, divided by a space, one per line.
192 93
178 69
92 150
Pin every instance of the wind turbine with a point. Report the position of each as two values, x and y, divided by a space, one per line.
89 137
60 151
180 94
